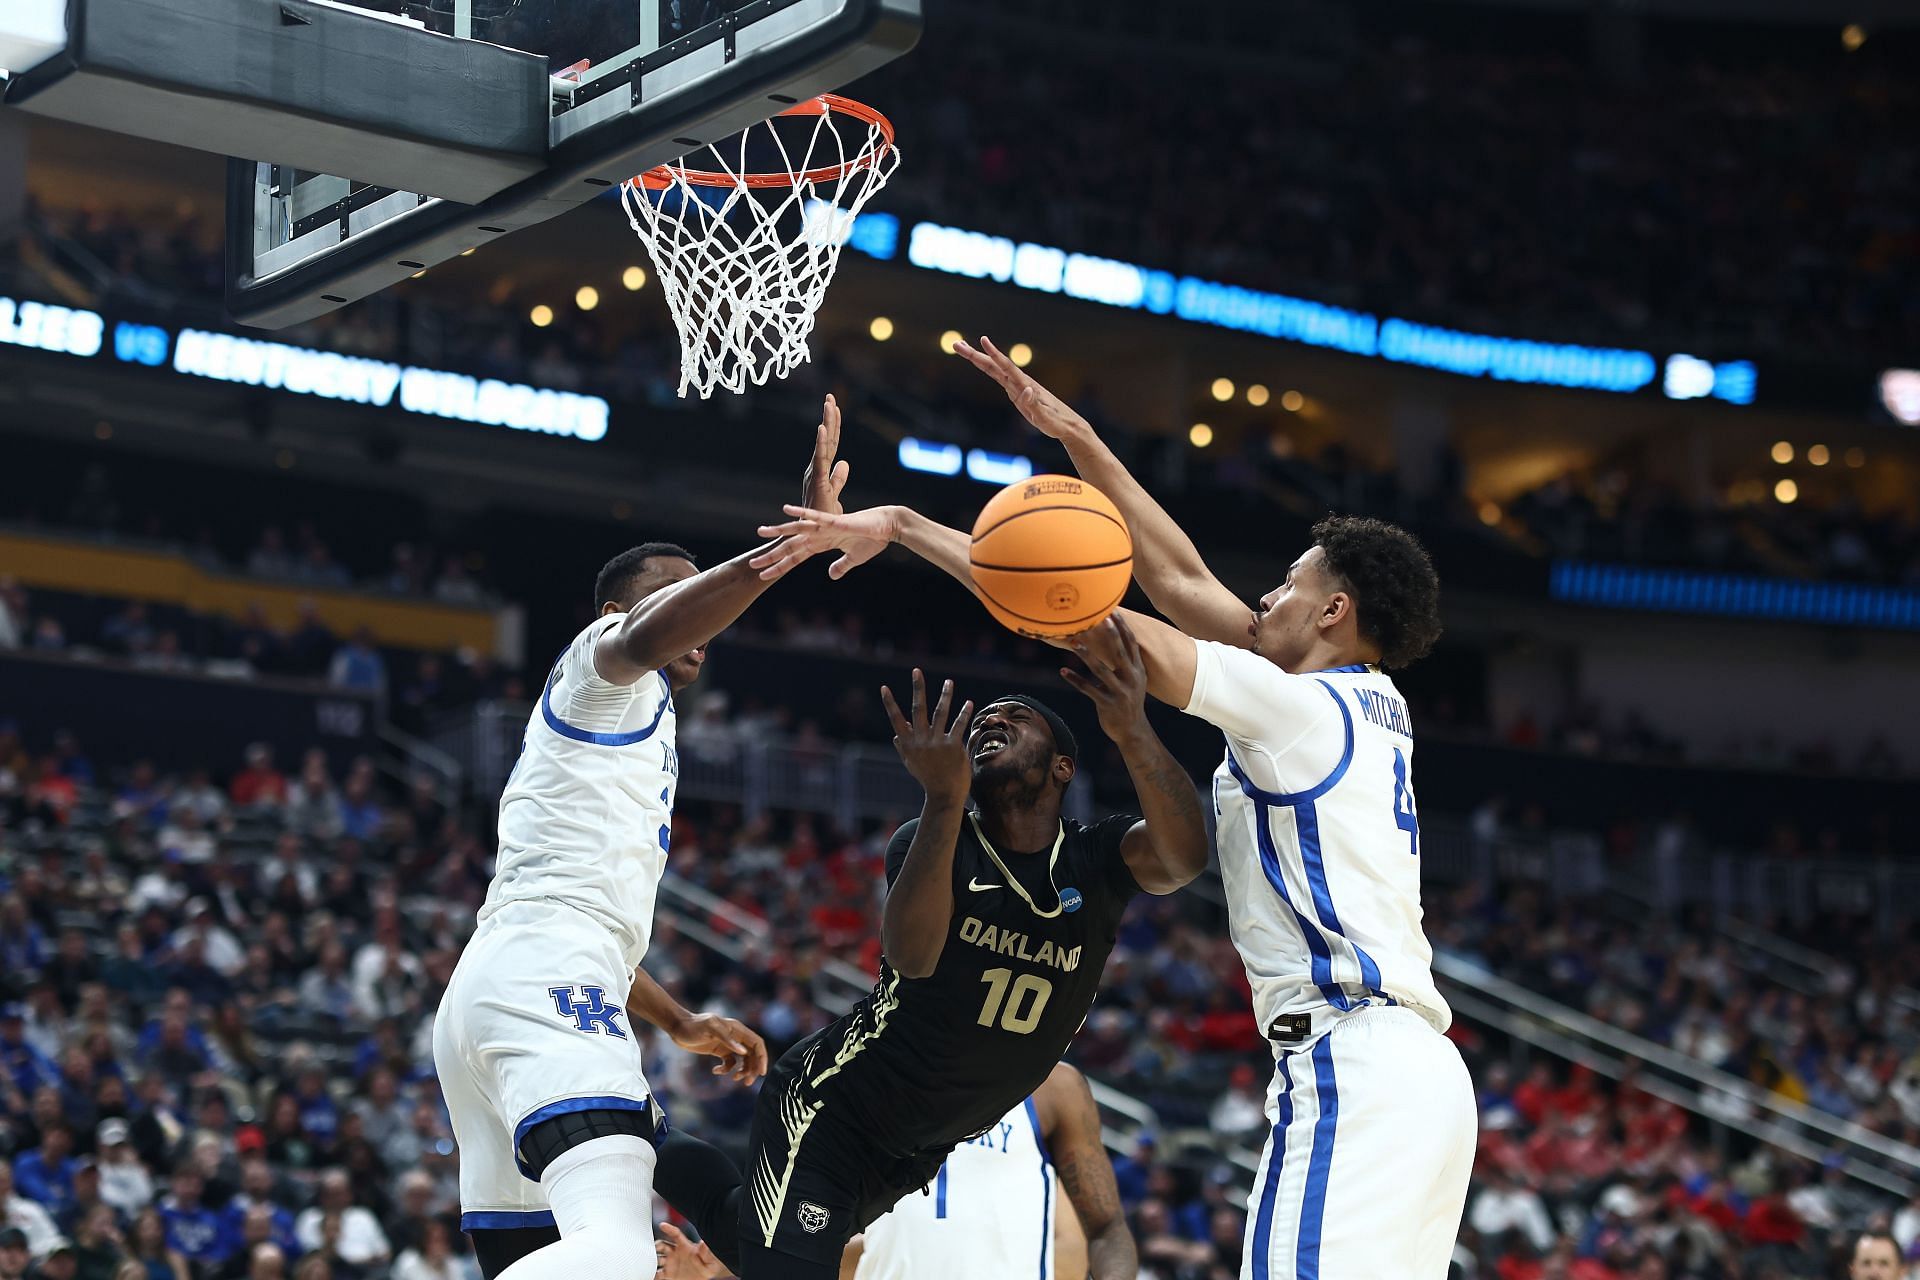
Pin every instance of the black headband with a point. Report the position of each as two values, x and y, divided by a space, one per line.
1063 741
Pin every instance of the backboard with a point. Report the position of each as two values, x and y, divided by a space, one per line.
379 137
624 85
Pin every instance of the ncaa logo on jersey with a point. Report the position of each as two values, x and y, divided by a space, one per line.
813 1217
1070 899
589 1009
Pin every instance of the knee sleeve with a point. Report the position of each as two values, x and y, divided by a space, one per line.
602 1197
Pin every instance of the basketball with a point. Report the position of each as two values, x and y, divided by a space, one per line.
1051 556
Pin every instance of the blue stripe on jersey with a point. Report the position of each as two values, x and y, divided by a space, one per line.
1046 1218
1039 1139
565 730
940 1194
1312 793
1313 1208
566 1106
505 1219
1321 954
1354 669
1307 822
1269 1190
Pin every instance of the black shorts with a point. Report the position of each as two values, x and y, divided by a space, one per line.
814 1177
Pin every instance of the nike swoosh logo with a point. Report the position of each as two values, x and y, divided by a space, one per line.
977 887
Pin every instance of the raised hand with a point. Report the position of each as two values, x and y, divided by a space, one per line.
1048 413
1115 678
824 479
935 756
858 538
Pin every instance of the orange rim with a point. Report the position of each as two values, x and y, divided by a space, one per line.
662 176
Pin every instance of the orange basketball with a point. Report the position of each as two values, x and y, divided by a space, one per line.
1051 555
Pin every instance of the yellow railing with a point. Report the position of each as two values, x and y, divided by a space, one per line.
100 569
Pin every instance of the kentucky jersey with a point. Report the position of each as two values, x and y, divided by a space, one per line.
586 815
989 1212
1319 840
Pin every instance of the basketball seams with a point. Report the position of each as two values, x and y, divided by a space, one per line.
1052 568
979 534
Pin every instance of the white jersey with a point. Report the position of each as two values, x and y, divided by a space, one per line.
586 816
989 1213
1319 840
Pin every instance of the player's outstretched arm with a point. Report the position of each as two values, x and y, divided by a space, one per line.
859 536
741 1051
919 909
1165 560
1070 1122
1168 846
693 611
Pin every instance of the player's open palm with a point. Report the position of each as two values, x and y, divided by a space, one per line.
858 536
1048 413
1115 677
826 476
933 749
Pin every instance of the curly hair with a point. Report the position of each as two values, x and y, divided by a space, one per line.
1396 592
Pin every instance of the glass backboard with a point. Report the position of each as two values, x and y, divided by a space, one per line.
627 84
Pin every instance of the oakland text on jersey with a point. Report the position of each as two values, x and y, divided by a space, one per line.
1015 944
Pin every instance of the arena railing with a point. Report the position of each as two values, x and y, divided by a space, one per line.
1722 1099
851 782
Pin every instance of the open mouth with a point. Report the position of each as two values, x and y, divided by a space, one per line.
989 742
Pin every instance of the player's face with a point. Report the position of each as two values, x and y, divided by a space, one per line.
656 573
1007 740
1874 1259
1285 624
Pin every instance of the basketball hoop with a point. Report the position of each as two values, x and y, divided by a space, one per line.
744 254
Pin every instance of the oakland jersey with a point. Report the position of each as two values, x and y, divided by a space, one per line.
989 1212
863 1111
586 815
1319 840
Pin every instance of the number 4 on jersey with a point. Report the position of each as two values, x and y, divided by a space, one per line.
1404 816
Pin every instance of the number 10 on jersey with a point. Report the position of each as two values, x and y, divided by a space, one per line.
1017 1011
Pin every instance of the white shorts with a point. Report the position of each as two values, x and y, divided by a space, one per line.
1365 1174
533 1025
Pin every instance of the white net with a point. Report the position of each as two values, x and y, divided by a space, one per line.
745 254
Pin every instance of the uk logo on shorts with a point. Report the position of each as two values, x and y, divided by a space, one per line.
588 1009
813 1217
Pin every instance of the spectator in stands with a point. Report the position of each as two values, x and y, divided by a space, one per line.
193 1229
1504 1206
17 1213
357 665
125 1183
347 1230
259 785
313 802
150 1249
1242 1110
269 558
45 1174
129 632
1876 1256
14 1254
433 1258
99 1247
310 648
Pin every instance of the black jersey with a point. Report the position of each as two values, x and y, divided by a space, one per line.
922 1063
